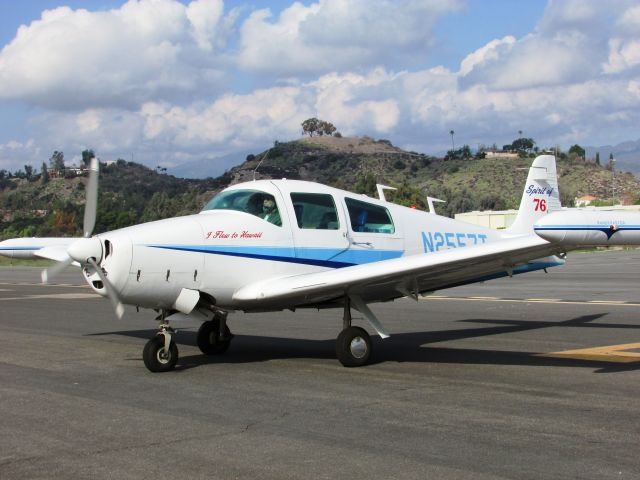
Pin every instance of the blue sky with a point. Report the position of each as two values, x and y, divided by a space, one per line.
173 82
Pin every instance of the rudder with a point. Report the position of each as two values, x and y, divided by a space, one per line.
540 196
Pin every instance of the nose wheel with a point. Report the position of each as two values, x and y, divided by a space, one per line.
158 356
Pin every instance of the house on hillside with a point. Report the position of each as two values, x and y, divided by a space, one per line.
584 201
69 171
500 154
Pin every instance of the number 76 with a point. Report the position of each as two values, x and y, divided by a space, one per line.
541 204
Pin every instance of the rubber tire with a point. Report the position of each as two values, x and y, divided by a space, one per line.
151 352
343 347
208 341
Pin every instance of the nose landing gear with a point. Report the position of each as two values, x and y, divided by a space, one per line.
160 354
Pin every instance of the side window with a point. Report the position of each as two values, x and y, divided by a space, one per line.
366 217
315 211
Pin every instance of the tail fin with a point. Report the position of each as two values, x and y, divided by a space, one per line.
540 196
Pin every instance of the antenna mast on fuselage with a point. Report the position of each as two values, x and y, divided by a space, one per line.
260 163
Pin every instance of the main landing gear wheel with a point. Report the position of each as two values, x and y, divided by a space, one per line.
353 347
157 358
210 342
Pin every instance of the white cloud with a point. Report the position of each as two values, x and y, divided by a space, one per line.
357 102
14 154
146 49
490 51
152 89
576 40
339 35
239 120
630 19
622 55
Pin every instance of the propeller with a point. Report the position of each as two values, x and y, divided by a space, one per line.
111 292
88 250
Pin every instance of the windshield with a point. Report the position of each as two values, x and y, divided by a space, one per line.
255 202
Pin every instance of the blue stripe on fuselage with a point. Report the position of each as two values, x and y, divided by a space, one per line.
323 257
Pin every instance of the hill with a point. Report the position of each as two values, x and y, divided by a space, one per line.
627 155
131 193
491 183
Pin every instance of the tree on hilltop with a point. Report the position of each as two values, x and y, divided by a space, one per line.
87 155
44 174
577 150
327 128
57 162
314 126
523 144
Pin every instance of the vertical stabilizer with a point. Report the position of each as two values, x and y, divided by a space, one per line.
540 196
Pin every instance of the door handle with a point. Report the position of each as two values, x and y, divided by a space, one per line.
368 244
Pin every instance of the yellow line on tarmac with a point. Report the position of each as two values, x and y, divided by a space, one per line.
625 353
606 301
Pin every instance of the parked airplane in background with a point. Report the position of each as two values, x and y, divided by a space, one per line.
271 245
25 248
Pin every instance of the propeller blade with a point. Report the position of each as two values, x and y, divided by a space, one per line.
55 270
91 204
111 291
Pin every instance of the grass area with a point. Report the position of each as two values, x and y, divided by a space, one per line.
17 262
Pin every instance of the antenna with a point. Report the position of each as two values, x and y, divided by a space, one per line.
260 163
381 188
432 208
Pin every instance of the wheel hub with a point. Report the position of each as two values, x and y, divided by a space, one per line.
163 356
358 347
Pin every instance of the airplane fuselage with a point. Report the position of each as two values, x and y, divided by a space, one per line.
218 251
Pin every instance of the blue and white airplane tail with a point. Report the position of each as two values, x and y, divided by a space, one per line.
540 197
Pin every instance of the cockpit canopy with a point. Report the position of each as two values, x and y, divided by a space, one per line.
254 202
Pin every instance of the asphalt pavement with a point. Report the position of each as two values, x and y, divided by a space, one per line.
532 377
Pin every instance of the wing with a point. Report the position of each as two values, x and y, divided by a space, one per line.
389 279
56 252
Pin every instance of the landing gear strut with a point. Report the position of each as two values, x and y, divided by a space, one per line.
214 336
353 346
160 354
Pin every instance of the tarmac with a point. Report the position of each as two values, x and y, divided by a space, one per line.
532 377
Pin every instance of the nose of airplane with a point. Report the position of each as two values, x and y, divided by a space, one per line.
84 248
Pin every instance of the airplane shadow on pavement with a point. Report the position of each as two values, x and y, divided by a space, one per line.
402 347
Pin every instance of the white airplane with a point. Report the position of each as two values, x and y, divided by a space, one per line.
271 245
